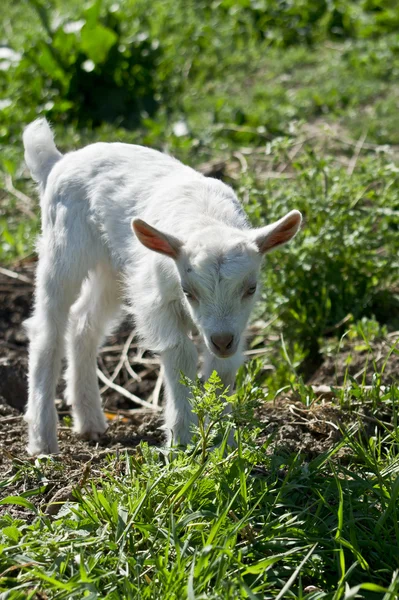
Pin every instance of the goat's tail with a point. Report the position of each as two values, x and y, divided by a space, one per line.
41 153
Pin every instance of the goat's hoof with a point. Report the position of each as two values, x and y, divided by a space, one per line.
37 448
91 429
91 435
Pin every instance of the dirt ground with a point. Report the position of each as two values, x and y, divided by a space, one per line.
290 425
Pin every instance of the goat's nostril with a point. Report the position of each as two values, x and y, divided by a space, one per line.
223 341
214 341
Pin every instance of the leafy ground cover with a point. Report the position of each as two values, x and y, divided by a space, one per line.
295 105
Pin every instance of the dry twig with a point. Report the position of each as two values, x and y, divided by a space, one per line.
10 419
356 153
15 275
24 202
327 389
121 362
157 389
124 392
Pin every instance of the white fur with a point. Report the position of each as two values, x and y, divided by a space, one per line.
90 262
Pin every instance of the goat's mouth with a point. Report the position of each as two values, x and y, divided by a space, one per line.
224 355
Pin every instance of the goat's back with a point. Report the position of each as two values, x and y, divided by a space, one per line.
108 184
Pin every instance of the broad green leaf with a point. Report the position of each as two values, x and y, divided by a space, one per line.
12 533
96 42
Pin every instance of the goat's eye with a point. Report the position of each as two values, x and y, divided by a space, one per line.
188 295
251 290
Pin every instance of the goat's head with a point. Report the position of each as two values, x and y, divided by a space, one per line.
218 267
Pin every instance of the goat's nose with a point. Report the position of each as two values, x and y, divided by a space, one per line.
222 341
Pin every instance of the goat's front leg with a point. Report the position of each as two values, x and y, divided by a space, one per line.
182 358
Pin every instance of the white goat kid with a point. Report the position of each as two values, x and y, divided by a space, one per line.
199 270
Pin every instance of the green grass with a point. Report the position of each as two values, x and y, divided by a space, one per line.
302 107
218 523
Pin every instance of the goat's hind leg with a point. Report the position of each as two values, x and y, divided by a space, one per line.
97 307
57 286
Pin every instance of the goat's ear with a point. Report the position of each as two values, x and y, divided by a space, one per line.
156 240
278 233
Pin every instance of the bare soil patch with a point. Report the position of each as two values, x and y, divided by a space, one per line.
360 364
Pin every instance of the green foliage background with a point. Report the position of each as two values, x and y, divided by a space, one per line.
299 98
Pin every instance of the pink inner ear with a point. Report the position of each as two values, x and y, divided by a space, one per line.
158 244
278 237
151 240
282 233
